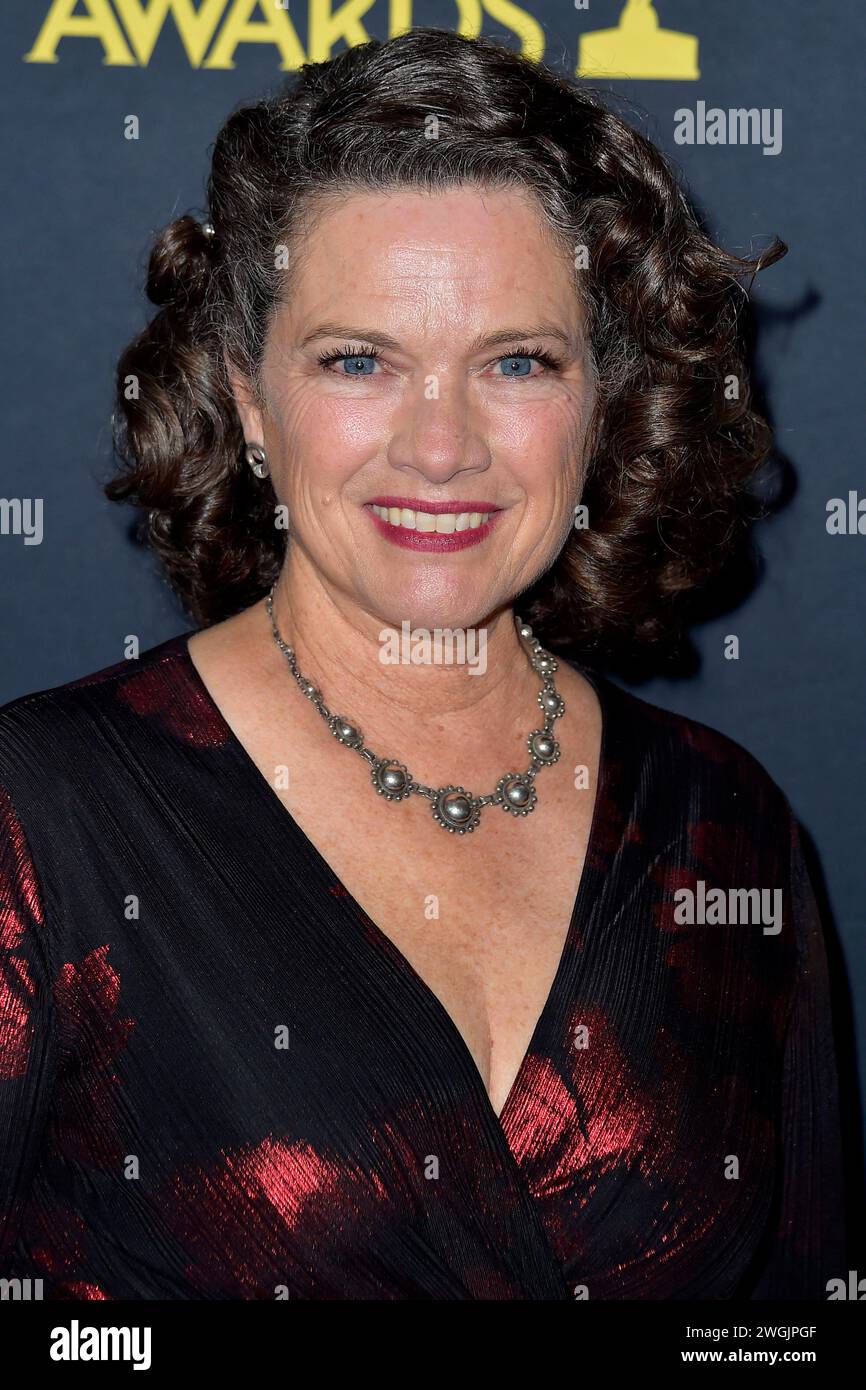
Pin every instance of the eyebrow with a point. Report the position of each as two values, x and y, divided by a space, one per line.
379 339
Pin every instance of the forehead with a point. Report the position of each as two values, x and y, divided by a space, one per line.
457 251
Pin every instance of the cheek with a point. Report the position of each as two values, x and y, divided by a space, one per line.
324 438
343 429
543 436
355 425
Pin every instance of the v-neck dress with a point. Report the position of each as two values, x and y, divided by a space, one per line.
219 1079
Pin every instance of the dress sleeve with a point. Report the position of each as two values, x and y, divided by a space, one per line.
26 1013
807 1246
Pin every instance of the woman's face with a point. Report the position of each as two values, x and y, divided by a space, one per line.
434 314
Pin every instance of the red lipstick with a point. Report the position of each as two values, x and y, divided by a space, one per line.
432 540
417 504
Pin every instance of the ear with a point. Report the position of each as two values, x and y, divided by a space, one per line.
249 411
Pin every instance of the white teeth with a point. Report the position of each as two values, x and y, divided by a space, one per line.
443 523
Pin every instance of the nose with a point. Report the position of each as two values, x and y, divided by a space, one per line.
437 432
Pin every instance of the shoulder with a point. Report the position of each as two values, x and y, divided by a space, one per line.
48 731
671 750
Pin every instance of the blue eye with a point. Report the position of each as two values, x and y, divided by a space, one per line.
358 363
355 363
514 365
363 362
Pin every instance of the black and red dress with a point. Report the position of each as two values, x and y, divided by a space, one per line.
219 1079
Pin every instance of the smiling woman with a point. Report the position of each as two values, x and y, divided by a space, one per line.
442 298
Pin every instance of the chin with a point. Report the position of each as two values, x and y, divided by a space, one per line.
423 612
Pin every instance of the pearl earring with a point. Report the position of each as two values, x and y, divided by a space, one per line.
257 460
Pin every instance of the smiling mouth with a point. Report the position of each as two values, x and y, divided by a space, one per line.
418 525
430 523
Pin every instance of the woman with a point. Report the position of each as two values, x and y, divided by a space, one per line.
330 975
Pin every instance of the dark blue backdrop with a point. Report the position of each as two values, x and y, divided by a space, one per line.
82 202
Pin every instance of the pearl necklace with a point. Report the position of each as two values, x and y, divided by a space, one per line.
454 808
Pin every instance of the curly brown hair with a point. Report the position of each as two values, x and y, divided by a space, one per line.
673 451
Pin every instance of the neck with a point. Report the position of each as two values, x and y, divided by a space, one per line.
451 720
